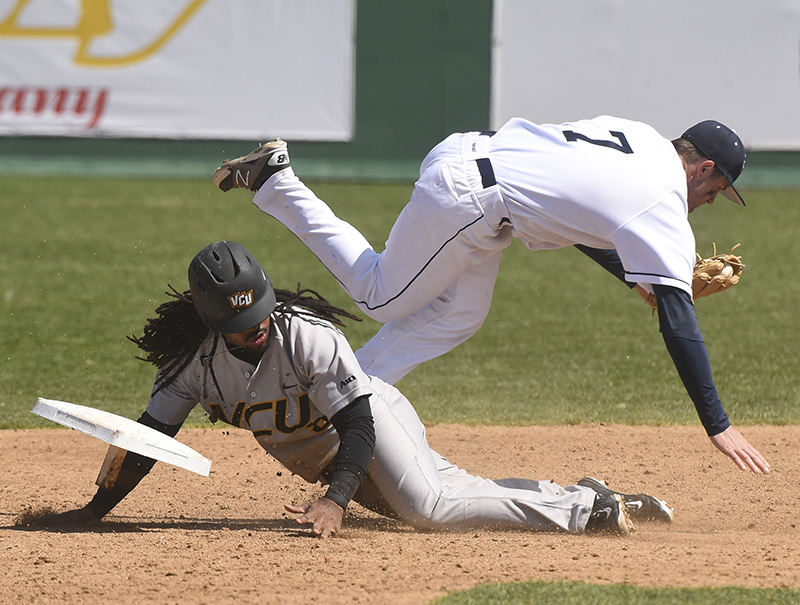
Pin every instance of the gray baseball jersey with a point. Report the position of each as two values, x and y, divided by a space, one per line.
307 374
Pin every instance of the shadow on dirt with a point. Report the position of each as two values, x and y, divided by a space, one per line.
49 521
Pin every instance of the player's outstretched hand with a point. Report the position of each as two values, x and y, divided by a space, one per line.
325 514
731 443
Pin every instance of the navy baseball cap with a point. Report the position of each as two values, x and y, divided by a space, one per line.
723 146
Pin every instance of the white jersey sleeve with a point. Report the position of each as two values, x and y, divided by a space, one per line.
671 261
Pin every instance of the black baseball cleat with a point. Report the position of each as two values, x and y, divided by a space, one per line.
252 170
610 516
639 506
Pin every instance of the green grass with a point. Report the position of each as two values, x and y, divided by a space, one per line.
85 262
575 593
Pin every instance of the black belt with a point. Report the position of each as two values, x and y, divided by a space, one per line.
485 166
487 173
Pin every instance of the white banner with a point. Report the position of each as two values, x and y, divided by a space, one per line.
670 64
233 69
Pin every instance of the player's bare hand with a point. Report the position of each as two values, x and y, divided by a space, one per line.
325 515
731 443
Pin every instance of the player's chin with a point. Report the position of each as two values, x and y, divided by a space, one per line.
703 202
255 350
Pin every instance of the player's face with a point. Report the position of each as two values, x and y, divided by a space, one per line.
704 185
253 339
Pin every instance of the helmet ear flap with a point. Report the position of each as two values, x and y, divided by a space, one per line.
230 290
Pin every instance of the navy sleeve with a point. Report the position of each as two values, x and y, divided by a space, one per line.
134 468
684 341
609 260
356 443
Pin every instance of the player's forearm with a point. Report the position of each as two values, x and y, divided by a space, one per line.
691 361
356 444
133 469
684 341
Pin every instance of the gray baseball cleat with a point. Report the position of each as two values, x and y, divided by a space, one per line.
252 170
609 515
639 506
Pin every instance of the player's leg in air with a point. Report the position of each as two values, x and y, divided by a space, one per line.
441 232
440 326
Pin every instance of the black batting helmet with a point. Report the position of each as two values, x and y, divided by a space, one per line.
230 290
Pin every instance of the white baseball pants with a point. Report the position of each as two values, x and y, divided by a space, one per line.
410 481
432 285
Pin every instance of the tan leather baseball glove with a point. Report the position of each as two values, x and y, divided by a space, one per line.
713 274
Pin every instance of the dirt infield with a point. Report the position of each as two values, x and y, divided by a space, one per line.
183 538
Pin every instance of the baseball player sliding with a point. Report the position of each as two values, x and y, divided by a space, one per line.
273 362
614 188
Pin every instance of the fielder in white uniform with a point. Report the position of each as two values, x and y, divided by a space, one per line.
614 188
273 363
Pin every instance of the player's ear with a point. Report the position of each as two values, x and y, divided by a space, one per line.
706 167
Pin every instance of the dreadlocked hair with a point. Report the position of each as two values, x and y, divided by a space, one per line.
171 339
309 303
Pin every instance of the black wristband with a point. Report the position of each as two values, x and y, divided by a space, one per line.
341 492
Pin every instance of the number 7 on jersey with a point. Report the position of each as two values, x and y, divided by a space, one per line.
622 146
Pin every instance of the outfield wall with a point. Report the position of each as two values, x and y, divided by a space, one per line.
423 69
